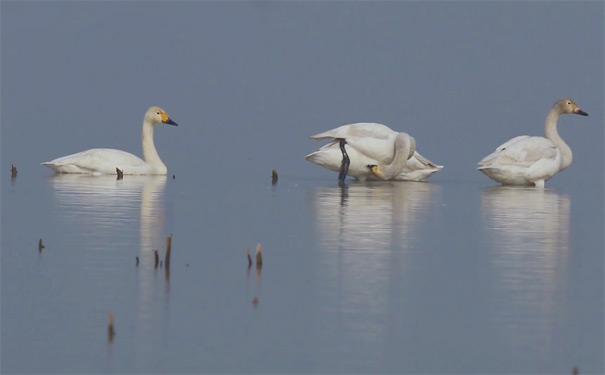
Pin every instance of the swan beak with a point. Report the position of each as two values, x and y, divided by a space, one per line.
374 169
579 111
167 120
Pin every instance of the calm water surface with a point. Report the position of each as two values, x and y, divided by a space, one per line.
452 276
442 277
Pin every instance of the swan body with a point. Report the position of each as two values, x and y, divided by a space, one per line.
526 160
106 160
371 144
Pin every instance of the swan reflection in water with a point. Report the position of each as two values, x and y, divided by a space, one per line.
529 231
107 216
106 210
373 217
368 232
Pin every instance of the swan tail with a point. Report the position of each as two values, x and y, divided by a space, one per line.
324 135
427 162
66 168
51 166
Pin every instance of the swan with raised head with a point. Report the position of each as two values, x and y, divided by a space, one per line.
526 160
105 160
355 147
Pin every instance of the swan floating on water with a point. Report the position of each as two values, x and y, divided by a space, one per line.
526 160
372 151
105 160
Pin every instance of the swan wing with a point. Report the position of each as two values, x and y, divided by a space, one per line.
381 150
357 130
521 151
374 141
99 160
330 157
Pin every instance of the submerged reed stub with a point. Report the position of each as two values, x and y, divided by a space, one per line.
168 249
249 258
255 301
111 332
40 246
157 259
13 171
120 174
273 177
259 256
137 258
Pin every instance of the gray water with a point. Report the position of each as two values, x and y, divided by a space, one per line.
455 275
373 277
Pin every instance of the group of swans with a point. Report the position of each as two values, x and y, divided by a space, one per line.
374 151
363 151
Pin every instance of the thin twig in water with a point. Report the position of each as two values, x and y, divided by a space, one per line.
249 258
168 250
259 256
274 177
111 332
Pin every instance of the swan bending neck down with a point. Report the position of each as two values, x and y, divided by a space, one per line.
355 147
526 160
405 146
105 161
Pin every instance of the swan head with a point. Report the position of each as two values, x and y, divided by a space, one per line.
156 115
378 171
382 172
566 105
405 147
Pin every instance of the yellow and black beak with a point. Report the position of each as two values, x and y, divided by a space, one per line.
167 120
374 169
578 111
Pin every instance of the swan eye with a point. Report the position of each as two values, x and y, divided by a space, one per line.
568 103
159 112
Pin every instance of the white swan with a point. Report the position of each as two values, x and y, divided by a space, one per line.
526 160
404 146
369 144
105 160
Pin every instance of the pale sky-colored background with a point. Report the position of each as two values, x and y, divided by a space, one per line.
248 82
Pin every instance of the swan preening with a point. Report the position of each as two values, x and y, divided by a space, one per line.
526 160
372 151
105 160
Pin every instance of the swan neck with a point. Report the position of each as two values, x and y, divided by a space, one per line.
551 133
150 154
402 154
